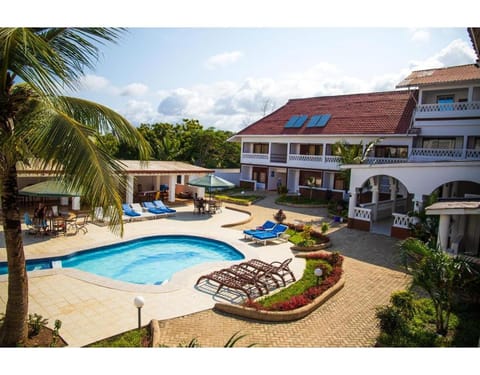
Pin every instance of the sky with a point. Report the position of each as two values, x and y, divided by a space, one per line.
230 77
231 67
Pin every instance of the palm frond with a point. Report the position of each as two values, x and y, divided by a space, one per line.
51 59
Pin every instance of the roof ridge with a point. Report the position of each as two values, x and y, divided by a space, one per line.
351 94
442 68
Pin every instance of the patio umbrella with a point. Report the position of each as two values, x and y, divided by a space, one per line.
49 188
211 182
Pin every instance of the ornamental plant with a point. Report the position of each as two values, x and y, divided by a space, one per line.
305 290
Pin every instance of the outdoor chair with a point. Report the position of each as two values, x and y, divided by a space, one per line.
129 211
81 222
278 269
267 226
275 233
32 228
150 207
226 279
162 206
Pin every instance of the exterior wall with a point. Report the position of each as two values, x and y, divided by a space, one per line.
359 224
400 233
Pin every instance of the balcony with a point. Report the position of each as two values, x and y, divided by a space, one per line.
442 154
447 110
248 158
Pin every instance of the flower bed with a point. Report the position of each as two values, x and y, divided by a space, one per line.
298 305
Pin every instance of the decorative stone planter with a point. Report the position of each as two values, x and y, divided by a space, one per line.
280 316
320 246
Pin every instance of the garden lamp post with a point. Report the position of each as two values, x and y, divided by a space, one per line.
139 302
318 272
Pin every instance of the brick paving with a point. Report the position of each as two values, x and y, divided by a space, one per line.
346 320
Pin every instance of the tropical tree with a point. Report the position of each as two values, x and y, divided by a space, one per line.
37 122
352 154
438 274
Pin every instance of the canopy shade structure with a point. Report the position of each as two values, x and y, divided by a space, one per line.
49 188
211 182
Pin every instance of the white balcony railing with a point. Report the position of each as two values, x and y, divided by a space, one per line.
436 154
373 160
445 108
251 157
307 158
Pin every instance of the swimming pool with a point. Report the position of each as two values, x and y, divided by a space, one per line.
148 260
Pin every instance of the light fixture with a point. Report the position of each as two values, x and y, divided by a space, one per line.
318 273
139 302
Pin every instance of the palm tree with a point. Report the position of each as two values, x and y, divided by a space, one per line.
438 274
352 154
38 123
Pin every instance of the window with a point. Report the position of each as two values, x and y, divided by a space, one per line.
391 151
311 149
445 102
439 143
315 176
296 121
339 183
179 179
318 121
260 148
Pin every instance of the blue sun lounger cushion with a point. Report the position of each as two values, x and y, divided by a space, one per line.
271 234
153 209
129 211
161 205
267 226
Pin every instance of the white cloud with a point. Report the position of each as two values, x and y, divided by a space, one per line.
223 59
93 82
138 112
458 52
232 105
420 35
134 89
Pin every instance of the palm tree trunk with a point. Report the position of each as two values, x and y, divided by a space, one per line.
14 330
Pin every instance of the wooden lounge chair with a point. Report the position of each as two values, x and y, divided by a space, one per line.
226 279
260 278
278 269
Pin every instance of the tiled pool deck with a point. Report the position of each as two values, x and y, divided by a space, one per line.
92 308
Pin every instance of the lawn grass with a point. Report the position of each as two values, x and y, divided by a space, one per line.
131 339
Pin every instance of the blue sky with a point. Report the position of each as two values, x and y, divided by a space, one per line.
230 77
229 67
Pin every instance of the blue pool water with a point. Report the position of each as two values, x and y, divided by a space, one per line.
149 260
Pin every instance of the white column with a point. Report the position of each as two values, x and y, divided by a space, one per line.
446 191
157 183
64 201
129 190
470 94
172 182
393 192
76 203
417 202
352 203
443 230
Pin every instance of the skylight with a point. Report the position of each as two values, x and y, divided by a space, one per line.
296 121
318 121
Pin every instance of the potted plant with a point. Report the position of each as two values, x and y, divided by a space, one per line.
280 216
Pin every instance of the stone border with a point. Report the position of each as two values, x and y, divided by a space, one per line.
280 316
250 217
321 246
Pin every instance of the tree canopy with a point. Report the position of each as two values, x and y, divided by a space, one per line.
188 141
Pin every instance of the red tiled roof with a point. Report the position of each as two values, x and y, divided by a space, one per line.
441 75
374 113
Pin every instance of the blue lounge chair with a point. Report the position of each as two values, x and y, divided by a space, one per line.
270 234
161 205
129 211
267 226
153 209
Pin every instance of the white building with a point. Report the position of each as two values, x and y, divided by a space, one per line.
429 134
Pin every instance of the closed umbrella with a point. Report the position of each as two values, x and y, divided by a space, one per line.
211 182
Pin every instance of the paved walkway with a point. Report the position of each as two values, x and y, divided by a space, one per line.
92 308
